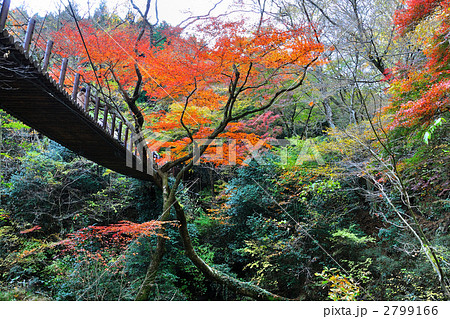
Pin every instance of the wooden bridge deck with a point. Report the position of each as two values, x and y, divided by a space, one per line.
33 97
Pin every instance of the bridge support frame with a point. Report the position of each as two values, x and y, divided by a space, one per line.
62 75
29 35
4 13
76 84
48 52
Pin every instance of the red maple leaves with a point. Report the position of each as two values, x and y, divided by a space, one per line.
117 235
419 92
406 19
194 78
30 230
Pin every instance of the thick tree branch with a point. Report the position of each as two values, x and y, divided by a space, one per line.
131 101
188 131
229 118
277 94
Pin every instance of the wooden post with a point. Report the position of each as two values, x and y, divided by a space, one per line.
28 36
88 97
4 14
131 146
105 117
97 106
126 137
62 75
119 135
113 124
76 84
48 52
140 158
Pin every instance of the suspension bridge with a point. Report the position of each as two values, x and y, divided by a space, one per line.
92 127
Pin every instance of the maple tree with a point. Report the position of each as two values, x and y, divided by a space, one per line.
419 91
241 73
416 10
119 234
206 87
95 242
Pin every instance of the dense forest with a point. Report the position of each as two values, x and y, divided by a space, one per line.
300 151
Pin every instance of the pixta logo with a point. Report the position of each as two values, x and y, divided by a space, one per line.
144 151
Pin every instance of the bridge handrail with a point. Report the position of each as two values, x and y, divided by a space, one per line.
95 100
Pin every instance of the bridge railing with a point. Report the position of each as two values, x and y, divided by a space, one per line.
89 98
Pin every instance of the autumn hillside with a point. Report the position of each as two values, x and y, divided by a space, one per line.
300 151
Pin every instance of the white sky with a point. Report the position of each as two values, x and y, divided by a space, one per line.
172 11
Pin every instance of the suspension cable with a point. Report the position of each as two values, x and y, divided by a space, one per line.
85 47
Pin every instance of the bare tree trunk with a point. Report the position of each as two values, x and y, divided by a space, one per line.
395 178
419 233
150 276
328 113
169 201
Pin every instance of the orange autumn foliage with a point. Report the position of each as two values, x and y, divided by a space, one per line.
115 48
419 92
191 77
116 235
407 18
207 64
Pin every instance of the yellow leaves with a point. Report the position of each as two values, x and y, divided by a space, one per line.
194 117
263 252
342 287
350 141
218 216
107 172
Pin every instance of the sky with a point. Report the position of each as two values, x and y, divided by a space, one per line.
172 11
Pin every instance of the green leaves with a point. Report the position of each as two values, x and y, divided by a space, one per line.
428 134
